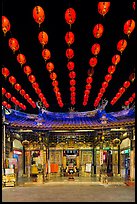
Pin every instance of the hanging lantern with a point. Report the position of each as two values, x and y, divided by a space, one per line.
127 103
50 66
3 91
5 72
56 89
5 25
108 77
53 76
89 80
12 80
70 65
21 59
55 83
122 90
17 102
27 70
35 85
17 87
38 14
4 103
87 92
100 95
129 27
104 84
43 38
88 86
24 107
72 75
132 77
22 92
72 88
26 96
134 95
8 95
118 95
95 49
103 7
46 54
69 38
134 5
69 53
93 61
121 45
40 95
13 44
72 82
38 90
8 106
13 99
111 69
126 84
131 99
102 90
116 59
70 16
90 72
98 30
32 78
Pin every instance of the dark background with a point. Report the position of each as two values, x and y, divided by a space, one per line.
25 30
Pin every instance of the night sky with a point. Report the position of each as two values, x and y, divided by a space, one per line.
25 30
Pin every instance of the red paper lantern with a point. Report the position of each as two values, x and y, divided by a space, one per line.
5 24
4 103
38 14
129 27
27 70
50 66
70 65
72 88
72 82
102 90
98 30
17 87
133 95
12 80
116 59
26 96
46 54
3 91
100 95
55 83
127 103
56 89
72 75
32 78
103 7
104 84
17 102
70 16
21 59
122 90
121 45
53 76
134 5
24 107
118 95
69 38
38 90
35 85
22 92
69 53
13 99
89 80
13 44
88 86
126 84
8 106
108 77
40 95
111 69
87 92
132 77
8 95
131 99
5 72
95 49
93 61
43 38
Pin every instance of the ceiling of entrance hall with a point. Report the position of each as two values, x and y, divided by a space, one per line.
25 29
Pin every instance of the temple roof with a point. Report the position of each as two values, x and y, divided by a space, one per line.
47 120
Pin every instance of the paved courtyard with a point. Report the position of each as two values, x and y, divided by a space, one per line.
69 193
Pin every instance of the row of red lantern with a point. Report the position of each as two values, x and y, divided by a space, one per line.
130 100
7 105
39 16
89 81
126 84
18 87
13 99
